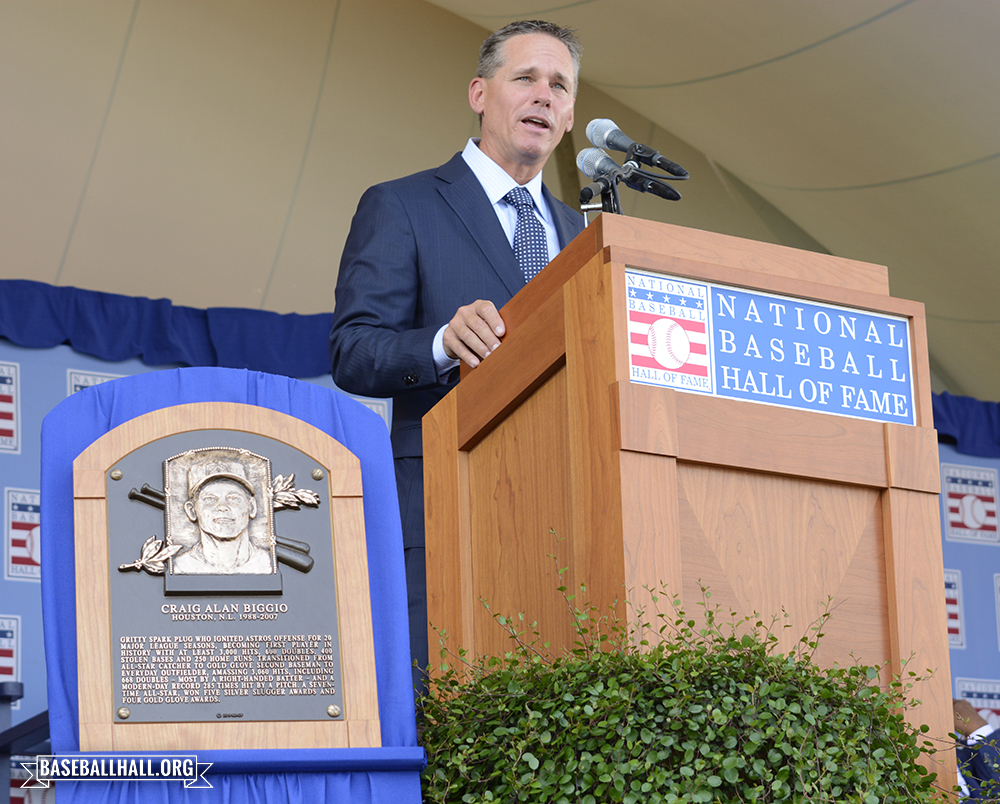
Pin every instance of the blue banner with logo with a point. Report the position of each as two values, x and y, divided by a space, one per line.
730 342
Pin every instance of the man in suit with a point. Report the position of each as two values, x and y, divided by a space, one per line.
978 753
430 258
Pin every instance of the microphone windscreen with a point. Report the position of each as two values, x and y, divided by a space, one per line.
594 162
598 129
605 133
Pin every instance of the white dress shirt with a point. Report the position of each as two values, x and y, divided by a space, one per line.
497 182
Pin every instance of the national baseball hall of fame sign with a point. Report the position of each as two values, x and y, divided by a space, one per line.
724 341
222 584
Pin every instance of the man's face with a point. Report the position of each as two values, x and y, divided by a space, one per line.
527 105
223 509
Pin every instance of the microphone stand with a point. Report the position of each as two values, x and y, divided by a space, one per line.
634 177
646 182
637 152
607 187
610 200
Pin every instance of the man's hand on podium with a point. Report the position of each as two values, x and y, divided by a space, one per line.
474 332
967 719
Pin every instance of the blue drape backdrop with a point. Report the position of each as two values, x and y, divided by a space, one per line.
114 327
974 425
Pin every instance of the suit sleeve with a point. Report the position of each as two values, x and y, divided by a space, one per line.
980 765
378 345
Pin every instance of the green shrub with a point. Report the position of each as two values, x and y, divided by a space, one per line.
709 713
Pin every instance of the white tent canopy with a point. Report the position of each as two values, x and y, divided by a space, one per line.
213 152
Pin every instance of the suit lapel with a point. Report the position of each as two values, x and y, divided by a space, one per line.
568 222
464 194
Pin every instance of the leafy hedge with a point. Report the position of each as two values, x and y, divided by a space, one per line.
709 713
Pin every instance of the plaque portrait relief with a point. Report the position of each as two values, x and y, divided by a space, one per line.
218 511
218 508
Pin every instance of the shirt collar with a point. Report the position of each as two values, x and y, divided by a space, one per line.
497 182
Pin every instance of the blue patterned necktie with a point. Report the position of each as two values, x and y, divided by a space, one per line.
531 247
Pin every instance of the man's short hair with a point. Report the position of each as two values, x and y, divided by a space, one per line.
491 53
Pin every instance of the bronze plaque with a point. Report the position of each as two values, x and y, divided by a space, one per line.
223 596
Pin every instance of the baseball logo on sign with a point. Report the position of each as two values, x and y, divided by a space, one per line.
669 343
668 332
973 512
969 494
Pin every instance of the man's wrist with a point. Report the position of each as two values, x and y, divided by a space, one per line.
979 734
442 362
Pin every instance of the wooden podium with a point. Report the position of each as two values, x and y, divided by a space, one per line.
773 509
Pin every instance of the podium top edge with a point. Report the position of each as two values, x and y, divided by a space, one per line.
671 240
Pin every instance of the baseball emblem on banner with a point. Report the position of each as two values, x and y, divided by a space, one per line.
24 560
668 343
969 494
972 512
954 608
668 332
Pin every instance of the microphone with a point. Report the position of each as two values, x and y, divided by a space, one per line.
596 163
644 184
606 171
605 133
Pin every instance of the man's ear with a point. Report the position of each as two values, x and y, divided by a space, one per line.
477 91
189 510
253 507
